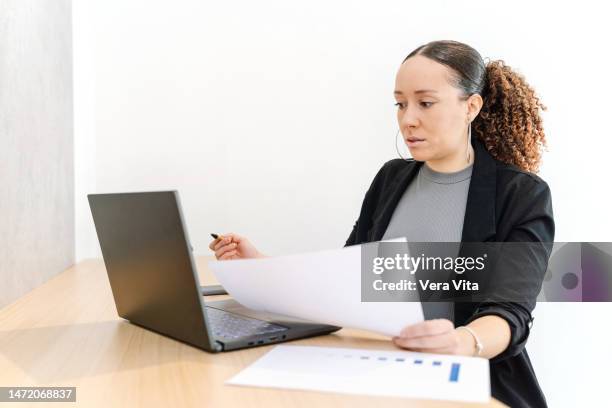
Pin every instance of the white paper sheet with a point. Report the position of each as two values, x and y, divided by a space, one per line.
323 287
370 372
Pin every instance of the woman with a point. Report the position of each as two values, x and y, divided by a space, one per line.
461 188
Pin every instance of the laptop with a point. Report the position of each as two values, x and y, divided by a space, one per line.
155 283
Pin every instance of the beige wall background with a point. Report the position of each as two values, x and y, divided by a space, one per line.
36 144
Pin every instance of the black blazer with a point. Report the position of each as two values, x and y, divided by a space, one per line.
504 204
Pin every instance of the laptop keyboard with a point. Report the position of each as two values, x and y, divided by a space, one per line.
232 326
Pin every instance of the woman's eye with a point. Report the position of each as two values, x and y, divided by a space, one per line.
426 104
400 105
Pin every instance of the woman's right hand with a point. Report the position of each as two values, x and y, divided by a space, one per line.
234 246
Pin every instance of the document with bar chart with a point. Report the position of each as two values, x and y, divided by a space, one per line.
370 372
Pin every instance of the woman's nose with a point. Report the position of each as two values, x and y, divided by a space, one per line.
409 118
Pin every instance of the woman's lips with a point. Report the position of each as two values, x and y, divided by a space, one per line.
414 142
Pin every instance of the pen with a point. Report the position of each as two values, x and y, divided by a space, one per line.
218 236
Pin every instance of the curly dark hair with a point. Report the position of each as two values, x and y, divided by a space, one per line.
509 123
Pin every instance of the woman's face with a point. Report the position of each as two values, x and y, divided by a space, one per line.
431 113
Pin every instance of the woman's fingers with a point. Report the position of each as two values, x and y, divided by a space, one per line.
229 255
225 239
222 250
222 242
230 242
427 328
430 336
212 244
440 341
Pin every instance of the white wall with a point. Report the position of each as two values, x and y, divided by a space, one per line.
83 46
271 119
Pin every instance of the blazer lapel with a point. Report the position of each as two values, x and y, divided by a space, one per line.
397 188
479 222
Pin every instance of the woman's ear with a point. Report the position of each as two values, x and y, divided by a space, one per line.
474 104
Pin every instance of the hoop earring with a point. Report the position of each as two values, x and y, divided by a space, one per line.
469 141
397 149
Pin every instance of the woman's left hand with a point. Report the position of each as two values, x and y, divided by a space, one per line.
436 336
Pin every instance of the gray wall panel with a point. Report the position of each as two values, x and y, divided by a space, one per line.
36 144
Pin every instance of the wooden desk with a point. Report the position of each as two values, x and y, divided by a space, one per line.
67 333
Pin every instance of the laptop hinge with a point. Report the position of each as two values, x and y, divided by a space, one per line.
218 346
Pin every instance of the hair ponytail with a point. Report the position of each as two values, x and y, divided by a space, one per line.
509 123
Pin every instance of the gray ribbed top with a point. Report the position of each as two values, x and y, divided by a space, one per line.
432 208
